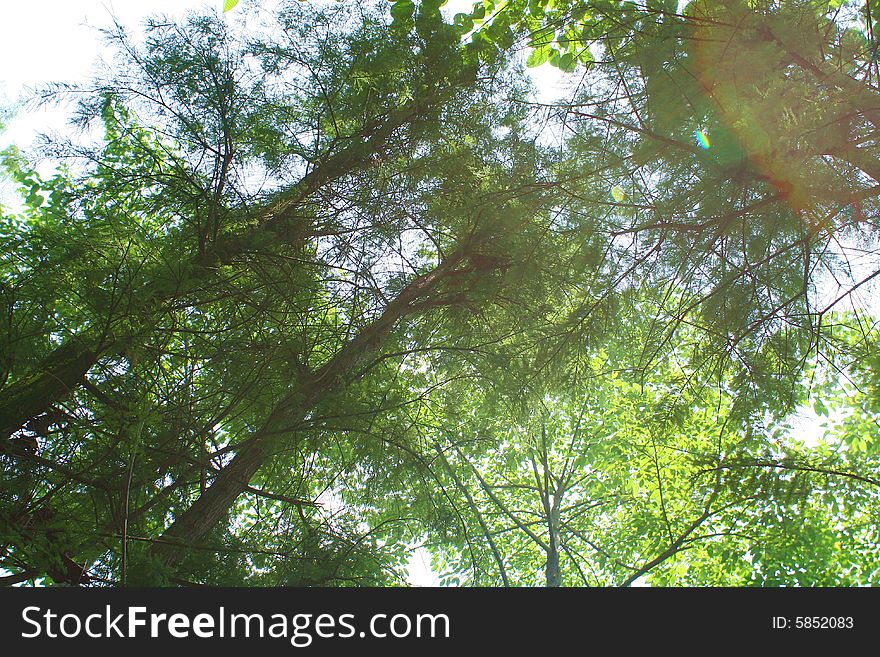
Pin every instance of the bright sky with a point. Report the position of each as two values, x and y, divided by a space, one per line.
57 40
44 41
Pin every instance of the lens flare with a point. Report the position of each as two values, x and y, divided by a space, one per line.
702 138
617 193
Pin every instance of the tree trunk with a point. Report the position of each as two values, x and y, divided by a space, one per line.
195 522
552 572
58 375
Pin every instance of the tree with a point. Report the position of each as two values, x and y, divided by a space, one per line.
224 318
633 477
730 142
322 294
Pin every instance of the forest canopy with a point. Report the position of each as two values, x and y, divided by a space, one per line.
330 285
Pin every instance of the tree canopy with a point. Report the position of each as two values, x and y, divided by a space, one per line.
331 285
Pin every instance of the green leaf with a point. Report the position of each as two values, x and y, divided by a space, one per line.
480 41
537 8
542 37
537 57
463 20
402 10
585 56
568 62
228 5
504 39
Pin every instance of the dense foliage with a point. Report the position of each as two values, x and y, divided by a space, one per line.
337 287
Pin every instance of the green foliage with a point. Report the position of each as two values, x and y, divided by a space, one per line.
337 288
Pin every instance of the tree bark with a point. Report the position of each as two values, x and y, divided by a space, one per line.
552 571
57 376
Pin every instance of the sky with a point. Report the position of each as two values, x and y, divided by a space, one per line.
57 40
